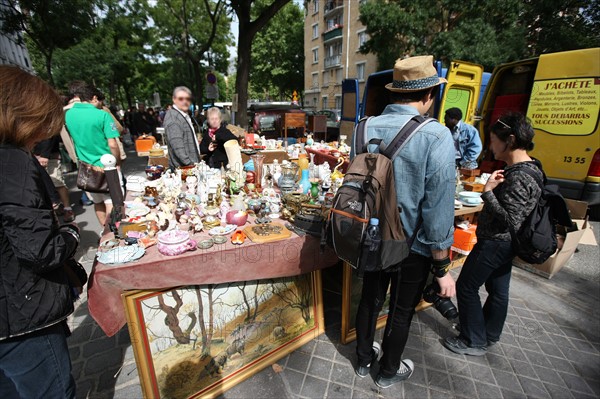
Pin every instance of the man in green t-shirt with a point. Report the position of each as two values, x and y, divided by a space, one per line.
94 134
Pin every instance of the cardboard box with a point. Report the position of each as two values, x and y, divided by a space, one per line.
464 240
549 268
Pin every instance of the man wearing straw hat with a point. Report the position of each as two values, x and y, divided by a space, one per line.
424 177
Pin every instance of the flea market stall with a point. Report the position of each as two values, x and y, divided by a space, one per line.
217 273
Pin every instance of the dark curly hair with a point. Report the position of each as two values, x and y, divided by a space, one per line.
517 125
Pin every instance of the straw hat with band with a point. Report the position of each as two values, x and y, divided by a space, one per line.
414 74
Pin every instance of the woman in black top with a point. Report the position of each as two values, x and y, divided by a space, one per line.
213 141
509 197
35 295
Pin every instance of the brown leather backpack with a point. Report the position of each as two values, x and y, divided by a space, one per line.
369 191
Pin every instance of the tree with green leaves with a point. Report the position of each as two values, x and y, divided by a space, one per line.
484 32
195 30
252 17
49 25
559 25
282 40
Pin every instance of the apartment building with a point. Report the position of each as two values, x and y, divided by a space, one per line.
332 36
12 51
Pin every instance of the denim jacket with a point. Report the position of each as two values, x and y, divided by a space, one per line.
469 144
424 175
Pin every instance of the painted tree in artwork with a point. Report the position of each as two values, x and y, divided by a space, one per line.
172 319
297 295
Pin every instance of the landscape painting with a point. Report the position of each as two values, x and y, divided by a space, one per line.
198 341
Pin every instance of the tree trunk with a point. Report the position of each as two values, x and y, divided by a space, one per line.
48 58
205 345
198 82
171 319
248 311
242 76
211 316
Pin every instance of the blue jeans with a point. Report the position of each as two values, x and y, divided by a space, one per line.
37 365
489 263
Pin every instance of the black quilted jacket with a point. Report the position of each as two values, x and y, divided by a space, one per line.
34 291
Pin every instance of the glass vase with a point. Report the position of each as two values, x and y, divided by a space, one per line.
258 160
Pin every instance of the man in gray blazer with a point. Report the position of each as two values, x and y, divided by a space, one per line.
179 128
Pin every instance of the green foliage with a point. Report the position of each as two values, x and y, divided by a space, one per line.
281 40
559 25
196 31
485 32
49 24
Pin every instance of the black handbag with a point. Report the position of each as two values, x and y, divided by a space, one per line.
77 276
91 178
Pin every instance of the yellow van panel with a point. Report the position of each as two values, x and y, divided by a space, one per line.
462 89
568 64
564 109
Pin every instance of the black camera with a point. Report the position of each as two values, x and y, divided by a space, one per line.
442 305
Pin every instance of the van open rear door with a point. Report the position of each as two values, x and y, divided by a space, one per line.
350 110
462 90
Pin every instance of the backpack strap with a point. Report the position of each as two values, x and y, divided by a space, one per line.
404 135
360 136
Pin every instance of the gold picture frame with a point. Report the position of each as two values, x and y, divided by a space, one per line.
199 341
351 290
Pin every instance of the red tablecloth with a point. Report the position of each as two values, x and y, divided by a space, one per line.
219 264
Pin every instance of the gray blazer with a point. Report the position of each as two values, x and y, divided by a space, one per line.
180 140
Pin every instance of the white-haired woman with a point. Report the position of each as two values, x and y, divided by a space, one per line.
212 144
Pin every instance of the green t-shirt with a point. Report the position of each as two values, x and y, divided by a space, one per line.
90 128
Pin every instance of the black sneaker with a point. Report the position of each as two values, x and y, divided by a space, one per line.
363 371
491 343
404 372
457 345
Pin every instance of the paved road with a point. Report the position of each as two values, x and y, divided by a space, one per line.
550 349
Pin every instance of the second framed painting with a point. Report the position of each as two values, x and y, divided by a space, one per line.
198 341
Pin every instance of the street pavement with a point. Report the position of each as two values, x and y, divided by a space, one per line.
550 347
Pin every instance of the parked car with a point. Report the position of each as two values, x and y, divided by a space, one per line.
333 117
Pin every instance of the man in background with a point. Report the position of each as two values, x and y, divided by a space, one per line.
94 134
181 137
467 143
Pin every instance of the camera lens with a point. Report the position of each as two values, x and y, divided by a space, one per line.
442 305
446 308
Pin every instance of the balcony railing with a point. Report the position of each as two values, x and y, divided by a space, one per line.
333 33
332 5
333 61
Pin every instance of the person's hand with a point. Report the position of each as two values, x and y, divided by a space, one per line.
43 161
212 146
447 286
495 179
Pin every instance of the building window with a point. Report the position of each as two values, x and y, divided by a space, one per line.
338 102
315 31
315 54
362 38
339 76
315 6
360 71
326 78
315 80
325 103
361 2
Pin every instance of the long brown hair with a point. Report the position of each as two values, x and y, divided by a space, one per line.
30 110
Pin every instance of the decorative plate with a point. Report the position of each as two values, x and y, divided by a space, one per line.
471 205
121 254
138 211
223 231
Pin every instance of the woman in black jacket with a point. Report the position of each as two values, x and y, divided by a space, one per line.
213 141
35 296
509 197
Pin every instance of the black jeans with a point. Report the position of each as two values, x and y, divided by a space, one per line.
406 292
489 263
